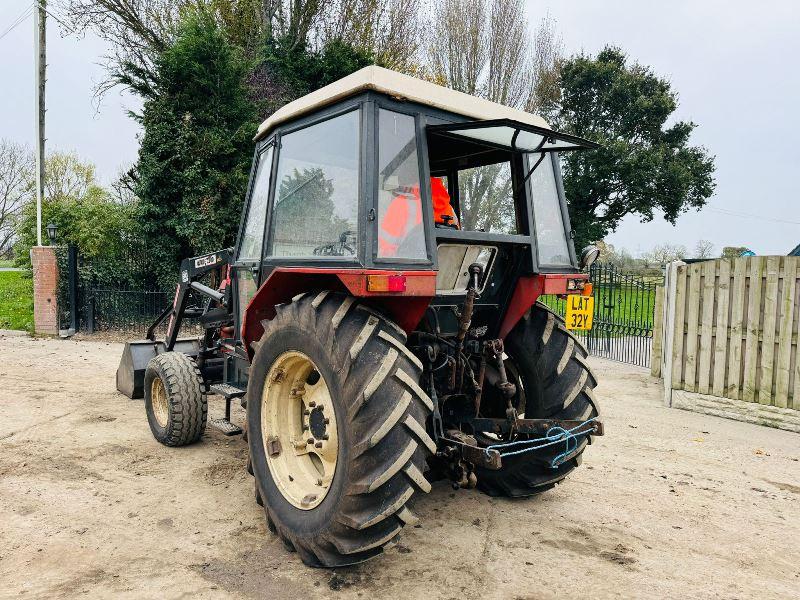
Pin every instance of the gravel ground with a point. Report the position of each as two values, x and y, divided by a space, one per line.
668 504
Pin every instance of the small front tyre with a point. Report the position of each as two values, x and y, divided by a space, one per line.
174 399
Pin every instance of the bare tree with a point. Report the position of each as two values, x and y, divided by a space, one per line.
16 188
482 48
390 29
135 29
548 54
122 188
703 249
664 253
457 44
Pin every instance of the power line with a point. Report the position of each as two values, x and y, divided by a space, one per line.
732 213
68 29
18 21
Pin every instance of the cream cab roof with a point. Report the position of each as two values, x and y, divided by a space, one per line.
402 87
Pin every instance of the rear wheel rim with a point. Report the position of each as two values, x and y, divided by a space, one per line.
298 430
158 399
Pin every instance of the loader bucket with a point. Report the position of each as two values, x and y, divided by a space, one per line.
136 355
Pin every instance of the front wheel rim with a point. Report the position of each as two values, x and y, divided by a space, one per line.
298 430
159 402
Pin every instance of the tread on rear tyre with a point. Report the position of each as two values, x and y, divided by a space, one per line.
174 399
557 383
376 414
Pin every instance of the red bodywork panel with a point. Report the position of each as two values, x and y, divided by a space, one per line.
406 308
528 290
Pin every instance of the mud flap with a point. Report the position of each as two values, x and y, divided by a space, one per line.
136 355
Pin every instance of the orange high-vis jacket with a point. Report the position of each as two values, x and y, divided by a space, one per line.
405 212
441 203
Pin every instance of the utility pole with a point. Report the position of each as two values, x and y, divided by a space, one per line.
40 37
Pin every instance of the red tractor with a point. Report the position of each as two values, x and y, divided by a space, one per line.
379 316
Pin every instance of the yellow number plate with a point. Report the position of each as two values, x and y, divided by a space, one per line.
580 311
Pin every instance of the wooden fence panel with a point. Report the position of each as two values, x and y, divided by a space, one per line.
721 328
783 362
707 326
678 345
692 320
735 330
749 387
768 331
738 295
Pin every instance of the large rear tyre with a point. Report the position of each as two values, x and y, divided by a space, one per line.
336 428
556 382
174 399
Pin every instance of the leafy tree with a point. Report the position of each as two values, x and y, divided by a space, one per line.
289 70
734 251
195 153
644 165
67 176
84 213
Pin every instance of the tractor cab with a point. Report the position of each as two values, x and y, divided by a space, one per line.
381 171
378 317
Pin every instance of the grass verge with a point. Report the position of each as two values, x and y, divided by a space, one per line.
16 300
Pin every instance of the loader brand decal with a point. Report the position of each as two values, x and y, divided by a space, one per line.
204 261
185 276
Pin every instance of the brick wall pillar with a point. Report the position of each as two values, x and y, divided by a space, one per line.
45 290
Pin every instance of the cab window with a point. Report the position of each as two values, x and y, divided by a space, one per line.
551 235
317 189
487 199
400 229
253 233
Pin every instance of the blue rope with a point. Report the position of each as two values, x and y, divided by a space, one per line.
555 435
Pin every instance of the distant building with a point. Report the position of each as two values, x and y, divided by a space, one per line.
795 252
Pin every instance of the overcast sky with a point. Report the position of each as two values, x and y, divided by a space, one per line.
732 63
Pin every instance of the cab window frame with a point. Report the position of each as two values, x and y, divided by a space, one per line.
268 261
261 149
252 265
555 160
379 103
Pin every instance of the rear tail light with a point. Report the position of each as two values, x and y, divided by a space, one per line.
574 285
386 283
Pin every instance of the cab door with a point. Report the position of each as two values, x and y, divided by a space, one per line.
246 268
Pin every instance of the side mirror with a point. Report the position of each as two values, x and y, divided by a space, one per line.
588 256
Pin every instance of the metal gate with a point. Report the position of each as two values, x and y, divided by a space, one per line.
624 307
117 295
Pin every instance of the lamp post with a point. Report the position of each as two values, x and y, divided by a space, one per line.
52 229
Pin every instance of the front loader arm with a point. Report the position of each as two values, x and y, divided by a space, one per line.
192 269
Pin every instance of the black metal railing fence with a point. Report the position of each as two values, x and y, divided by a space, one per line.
624 312
123 310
